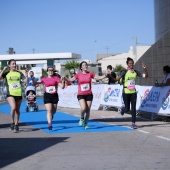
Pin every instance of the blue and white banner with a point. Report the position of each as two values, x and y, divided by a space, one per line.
68 96
153 99
149 98
112 95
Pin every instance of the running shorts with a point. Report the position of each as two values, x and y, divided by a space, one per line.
15 97
51 98
88 97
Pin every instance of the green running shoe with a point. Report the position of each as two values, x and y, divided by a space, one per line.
86 126
81 122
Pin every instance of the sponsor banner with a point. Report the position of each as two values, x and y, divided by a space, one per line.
153 99
112 95
68 96
149 98
37 72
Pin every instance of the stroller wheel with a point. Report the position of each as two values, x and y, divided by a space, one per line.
37 109
26 109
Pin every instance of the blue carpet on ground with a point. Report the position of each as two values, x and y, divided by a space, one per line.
62 122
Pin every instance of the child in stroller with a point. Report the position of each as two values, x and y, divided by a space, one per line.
31 99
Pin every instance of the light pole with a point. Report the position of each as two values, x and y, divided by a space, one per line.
107 48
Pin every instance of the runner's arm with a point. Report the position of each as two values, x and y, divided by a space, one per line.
36 82
115 79
62 84
145 70
99 77
1 73
70 79
26 77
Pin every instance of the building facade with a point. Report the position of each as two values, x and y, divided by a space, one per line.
120 59
159 54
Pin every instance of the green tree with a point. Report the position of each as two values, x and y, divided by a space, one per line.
44 73
72 65
118 69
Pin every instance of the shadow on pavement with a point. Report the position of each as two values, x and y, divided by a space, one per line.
15 149
127 119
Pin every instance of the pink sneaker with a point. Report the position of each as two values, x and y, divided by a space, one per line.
134 126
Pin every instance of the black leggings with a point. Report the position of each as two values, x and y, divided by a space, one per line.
130 99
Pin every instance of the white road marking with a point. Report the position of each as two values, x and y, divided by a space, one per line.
143 131
77 115
104 117
161 137
127 127
112 124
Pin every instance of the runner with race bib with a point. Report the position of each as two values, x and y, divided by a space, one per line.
51 98
85 95
128 77
14 80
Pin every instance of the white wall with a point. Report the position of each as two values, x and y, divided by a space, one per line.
121 58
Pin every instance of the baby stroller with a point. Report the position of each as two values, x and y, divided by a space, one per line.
30 94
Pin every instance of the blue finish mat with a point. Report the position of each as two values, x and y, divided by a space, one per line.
62 122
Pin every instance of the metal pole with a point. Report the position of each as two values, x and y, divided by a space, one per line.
134 51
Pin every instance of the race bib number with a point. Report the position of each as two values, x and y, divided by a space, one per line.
51 89
131 84
15 85
85 87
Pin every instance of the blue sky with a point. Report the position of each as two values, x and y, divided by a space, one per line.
86 27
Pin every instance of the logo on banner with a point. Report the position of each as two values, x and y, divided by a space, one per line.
165 101
112 94
122 100
143 99
107 94
150 99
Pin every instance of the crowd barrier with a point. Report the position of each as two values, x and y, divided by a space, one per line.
149 98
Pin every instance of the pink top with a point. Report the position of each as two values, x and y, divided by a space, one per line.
84 82
51 84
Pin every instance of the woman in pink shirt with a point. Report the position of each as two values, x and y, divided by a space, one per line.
51 99
85 95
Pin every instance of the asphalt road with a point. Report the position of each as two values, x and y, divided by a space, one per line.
147 148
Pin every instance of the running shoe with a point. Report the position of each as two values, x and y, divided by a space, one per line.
86 126
134 126
12 126
81 122
52 117
122 110
50 127
16 129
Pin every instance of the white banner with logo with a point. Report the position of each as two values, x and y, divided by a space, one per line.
149 98
153 99
68 96
112 95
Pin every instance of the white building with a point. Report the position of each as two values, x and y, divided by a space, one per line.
121 58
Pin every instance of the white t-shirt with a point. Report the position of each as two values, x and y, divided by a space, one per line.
166 78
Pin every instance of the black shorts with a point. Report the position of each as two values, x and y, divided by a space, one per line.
15 97
51 98
88 97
